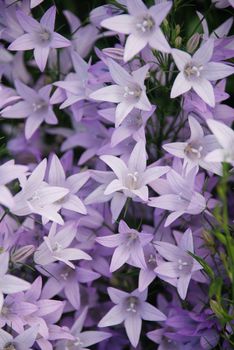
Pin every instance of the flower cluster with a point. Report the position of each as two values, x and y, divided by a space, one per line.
117 148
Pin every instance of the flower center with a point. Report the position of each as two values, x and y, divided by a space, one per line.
45 35
4 310
193 70
9 346
78 342
182 264
133 121
132 179
39 105
193 151
64 275
145 24
57 247
132 304
133 92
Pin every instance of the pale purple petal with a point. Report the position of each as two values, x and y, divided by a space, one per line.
132 325
113 317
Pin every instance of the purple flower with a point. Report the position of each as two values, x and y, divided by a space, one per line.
35 106
178 195
38 197
143 26
82 340
57 247
73 183
180 264
39 36
195 149
129 243
9 284
128 92
8 172
225 138
133 177
23 341
130 308
196 72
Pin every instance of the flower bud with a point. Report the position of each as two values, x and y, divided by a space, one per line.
21 254
177 29
193 42
115 53
178 41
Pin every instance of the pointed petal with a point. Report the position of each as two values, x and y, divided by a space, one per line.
222 132
112 93
35 179
72 292
133 45
32 124
114 186
11 284
159 42
168 251
195 129
217 70
116 164
186 242
116 295
136 7
4 338
132 325
59 41
74 203
151 313
56 174
48 19
119 257
180 86
28 23
181 58
160 11
120 24
167 269
23 43
175 148
119 74
89 338
137 160
205 90
122 111
113 317
41 55
109 241
205 52
182 285
153 173
26 339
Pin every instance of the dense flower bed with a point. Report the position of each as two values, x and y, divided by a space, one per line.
116 178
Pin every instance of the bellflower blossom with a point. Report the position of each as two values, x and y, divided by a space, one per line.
57 247
132 178
180 264
39 36
35 106
225 138
129 246
57 177
197 71
82 339
129 91
195 149
142 25
9 284
23 341
38 197
177 194
130 308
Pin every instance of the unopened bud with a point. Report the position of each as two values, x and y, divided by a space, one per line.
208 238
177 29
115 53
21 254
178 41
193 42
